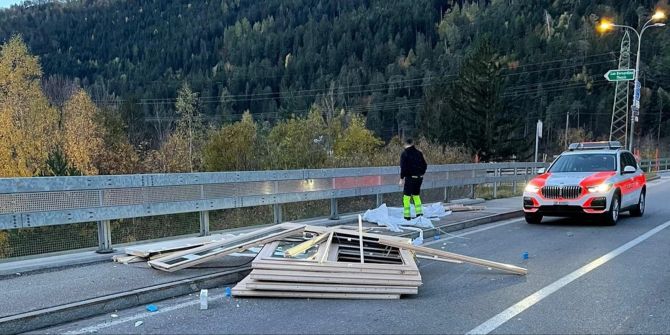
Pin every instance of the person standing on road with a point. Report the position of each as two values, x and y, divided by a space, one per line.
412 168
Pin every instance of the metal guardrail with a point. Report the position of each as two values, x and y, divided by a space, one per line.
651 165
48 201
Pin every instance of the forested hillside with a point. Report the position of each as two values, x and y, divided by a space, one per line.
476 74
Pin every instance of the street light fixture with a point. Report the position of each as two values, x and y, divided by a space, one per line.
606 25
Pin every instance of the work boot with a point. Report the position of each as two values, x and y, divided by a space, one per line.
408 218
420 214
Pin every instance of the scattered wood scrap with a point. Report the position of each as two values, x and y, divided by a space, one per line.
386 272
127 259
148 250
191 257
464 208
299 261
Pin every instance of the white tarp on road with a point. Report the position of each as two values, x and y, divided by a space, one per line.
392 217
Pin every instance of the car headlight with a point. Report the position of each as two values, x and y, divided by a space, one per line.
530 188
602 188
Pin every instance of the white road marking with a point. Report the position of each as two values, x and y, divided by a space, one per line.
144 315
511 312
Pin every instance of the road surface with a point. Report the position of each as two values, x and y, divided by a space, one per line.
583 278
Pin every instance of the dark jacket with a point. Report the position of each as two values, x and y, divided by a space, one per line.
412 163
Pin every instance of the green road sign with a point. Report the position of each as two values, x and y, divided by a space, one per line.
620 75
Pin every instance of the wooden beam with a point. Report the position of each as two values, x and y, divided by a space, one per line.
302 247
439 259
184 259
450 255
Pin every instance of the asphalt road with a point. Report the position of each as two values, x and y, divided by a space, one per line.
583 278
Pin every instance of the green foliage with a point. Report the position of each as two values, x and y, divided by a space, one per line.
484 121
58 165
356 145
233 147
298 143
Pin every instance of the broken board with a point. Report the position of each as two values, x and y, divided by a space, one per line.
191 257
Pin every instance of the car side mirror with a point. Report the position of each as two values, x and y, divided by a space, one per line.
541 170
629 169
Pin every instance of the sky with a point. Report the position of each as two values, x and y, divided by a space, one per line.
7 3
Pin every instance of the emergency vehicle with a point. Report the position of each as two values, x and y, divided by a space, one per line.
598 179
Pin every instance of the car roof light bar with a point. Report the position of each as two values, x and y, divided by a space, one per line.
595 145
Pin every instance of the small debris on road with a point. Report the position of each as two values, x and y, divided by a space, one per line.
114 316
139 323
152 308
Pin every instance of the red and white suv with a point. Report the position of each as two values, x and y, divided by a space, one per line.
594 178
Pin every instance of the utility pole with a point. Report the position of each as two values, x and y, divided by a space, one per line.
619 126
567 125
538 135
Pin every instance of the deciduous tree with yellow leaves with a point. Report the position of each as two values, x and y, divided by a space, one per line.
27 122
81 133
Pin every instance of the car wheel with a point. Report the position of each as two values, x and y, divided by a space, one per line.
533 218
612 215
638 210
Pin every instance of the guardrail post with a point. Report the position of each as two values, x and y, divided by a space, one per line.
446 194
514 182
277 213
204 223
104 237
276 208
333 209
472 186
495 183
379 199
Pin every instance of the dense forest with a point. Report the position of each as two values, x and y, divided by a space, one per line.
472 77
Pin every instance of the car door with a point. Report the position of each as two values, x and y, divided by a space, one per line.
629 188
622 180
635 179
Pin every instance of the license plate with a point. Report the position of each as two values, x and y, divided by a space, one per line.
560 203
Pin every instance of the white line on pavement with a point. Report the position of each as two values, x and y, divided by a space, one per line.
139 316
536 297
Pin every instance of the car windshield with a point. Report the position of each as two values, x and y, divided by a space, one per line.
585 163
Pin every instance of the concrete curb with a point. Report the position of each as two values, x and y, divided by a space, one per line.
52 316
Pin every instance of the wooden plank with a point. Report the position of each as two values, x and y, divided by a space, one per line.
354 233
312 267
302 247
332 280
241 290
360 237
304 287
337 275
127 259
313 295
439 259
462 208
466 259
183 259
146 250
324 255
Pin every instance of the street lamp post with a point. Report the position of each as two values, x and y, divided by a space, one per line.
607 25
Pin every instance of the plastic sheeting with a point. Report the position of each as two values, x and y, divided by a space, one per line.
392 217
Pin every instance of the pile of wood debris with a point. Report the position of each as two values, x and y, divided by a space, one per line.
319 262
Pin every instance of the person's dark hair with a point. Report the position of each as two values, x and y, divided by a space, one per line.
409 141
